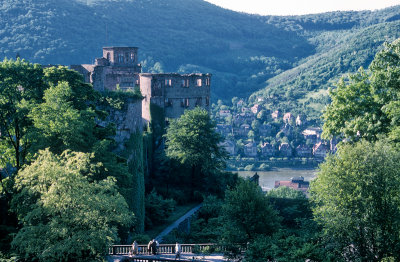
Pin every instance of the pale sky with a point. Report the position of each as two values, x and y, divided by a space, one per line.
300 7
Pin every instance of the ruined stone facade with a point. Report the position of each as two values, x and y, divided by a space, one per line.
174 93
118 69
127 121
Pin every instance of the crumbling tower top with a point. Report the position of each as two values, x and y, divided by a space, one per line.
121 55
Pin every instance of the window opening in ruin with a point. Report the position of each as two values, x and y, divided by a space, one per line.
207 101
132 57
207 81
198 82
120 58
108 56
168 102
185 102
185 82
126 57
168 82
198 101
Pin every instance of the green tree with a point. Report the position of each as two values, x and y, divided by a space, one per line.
66 119
251 135
21 84
53 108
192 140
60 124
158 209
357 201
234 101
293 206
255 125
65 215
262 115
286 192
247 213
82 94
367 103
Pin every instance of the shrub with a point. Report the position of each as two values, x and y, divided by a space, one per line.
157 209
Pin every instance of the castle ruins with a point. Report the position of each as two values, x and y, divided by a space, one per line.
119 69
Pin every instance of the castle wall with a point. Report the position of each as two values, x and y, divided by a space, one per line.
180 97
84 70
174 92
127 121
145 89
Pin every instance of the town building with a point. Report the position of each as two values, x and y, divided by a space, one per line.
243 118
300 120
288 118
250 149
296 183
285 150
276 114
320 150
256 108
224 113
313 134
230 147
267 150
240 103
265 130
303 150
224 130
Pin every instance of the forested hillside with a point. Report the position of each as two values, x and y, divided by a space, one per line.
288 59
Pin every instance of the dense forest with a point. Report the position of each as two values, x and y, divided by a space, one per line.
289 59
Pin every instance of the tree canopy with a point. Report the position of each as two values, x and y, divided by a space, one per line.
61 125
247 213
52 109
21 84
193 141
356 197
366 104
66 215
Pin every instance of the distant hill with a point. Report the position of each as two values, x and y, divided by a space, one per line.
286 59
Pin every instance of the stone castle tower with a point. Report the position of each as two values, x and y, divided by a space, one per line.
118 69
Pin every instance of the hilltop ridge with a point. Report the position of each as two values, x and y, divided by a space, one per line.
288 56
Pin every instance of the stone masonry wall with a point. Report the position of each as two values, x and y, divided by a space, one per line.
128 121
175 92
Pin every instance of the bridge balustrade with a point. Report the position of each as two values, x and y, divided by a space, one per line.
170 249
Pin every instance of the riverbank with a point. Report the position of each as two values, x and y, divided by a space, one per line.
267 178
253 164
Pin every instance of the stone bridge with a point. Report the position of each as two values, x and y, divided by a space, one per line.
209 252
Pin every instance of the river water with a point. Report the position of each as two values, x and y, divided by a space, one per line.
268 178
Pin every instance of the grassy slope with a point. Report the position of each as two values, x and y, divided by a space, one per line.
341 52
